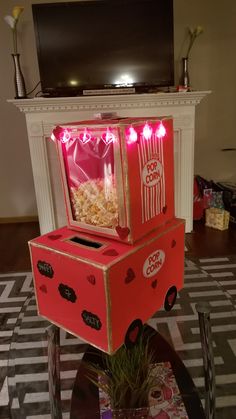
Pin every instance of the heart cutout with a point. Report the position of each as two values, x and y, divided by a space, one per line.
54 236
171 298
122 232
110 252
130 276
91 279
154 283
43 288
164 209
133 334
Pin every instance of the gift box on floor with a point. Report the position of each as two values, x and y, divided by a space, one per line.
217 218
117 175
103 290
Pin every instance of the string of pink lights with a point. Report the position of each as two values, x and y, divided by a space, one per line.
108 136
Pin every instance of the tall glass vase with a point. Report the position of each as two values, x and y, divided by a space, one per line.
185 82
18 78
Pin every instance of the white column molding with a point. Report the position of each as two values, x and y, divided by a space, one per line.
43 113
41 175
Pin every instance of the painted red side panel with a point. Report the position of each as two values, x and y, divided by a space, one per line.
138 284
71 294
150 175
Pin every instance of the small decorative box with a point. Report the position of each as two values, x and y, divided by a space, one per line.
217 218
102 290
117 175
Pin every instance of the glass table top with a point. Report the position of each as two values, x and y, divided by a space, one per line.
28 371
28 365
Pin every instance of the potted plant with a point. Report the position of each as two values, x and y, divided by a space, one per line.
127 380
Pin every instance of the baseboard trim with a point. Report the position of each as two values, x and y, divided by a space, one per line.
26 219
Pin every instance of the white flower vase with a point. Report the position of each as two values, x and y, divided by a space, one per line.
18 78
185 81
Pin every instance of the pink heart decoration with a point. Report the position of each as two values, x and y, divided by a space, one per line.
91 279
133 334
164 209
43 288
171 298
122 232
154 283
110 252
130 276
54 236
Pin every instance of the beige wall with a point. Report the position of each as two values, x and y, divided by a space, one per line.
212 67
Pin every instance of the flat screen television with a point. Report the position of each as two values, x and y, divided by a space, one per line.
104 44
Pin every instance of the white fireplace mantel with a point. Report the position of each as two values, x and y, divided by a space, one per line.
43 113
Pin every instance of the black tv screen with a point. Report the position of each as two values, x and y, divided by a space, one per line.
104 44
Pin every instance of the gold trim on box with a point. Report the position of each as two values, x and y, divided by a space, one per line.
64 181
92 229
146 243
72 333
34 281
108 309
126 181
119 179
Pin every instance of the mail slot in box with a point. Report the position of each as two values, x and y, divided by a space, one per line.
103 290
117 175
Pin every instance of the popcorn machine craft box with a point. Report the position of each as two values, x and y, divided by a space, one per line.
102 290
117 175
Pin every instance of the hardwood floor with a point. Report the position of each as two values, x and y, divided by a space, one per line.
14 246
207 241
202 242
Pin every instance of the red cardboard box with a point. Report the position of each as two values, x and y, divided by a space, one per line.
117 175
103 290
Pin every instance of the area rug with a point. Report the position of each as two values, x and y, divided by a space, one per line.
23 360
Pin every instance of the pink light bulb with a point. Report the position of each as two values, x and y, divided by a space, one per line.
85 136
108 137
132 136
161 131
66 136
147 131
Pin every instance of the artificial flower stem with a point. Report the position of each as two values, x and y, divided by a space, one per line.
14 40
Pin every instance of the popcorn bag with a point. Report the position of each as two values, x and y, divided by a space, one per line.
117 175
102 290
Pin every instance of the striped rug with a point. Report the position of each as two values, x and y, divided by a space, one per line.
23 357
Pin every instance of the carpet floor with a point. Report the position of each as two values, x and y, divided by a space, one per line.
23 359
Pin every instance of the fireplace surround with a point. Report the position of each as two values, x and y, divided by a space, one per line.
43 113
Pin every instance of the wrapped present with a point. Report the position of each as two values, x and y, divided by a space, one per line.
217 218
217 200
207 198
117 175
103 290
229 197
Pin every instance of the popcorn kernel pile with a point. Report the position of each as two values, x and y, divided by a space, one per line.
95 202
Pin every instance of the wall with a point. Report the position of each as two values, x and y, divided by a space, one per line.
212 67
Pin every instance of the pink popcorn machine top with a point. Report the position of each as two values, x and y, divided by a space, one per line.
117 175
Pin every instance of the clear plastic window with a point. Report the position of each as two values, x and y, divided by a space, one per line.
91 180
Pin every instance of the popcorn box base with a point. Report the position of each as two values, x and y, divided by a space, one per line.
102 290
117 175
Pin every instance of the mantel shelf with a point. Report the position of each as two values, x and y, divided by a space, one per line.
110 102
